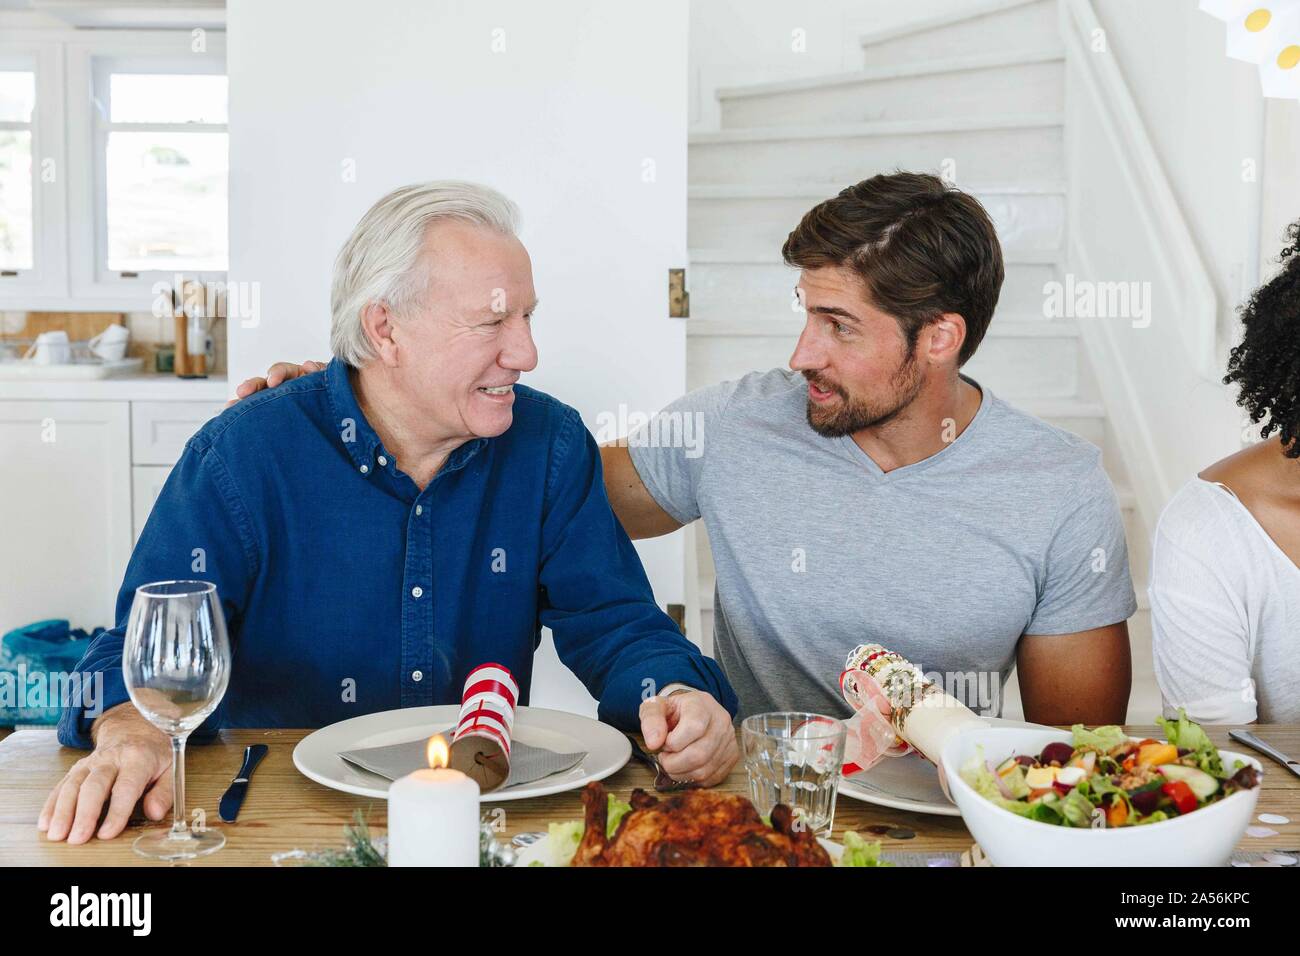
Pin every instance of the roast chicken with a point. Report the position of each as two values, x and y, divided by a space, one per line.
693 828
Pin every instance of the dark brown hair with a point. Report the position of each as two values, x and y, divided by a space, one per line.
1265 365
921 246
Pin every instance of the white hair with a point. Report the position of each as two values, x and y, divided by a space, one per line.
380 262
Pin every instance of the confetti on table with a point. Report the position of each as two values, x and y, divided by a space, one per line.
879 829
900 833
1240 863
940 861
1274 818
1281 859
1261 832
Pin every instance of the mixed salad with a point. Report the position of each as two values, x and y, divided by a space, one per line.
563 839
1105 779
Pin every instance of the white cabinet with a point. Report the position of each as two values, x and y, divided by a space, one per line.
146 482
65 510
159 430
78 479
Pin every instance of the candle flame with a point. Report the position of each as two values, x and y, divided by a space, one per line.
437 751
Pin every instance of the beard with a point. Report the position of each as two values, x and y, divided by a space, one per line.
855 414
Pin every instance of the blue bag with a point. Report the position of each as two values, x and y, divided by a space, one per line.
36 662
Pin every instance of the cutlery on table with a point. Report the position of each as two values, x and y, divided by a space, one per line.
1267 749
664 783
233 798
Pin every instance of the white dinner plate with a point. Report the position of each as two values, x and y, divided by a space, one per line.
909 783
317 754
538 853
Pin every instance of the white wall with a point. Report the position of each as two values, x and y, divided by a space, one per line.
564 120
1205 115
1280 199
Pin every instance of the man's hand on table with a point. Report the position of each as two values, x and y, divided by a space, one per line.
692 734
277 374
131 758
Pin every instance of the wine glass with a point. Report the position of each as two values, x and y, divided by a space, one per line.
176 663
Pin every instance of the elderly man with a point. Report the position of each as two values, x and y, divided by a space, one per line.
378 529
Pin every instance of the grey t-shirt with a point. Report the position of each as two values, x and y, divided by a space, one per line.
1011 529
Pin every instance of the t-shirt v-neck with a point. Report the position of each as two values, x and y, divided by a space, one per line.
968 434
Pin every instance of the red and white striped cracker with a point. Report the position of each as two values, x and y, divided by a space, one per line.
488 705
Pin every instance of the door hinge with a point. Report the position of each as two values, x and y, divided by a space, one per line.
679 300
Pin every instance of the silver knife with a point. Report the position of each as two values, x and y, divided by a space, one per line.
233 798
1267 749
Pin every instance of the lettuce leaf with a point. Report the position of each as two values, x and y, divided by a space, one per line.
618 809
1103 739
1015 782
1187 735
859 852
1077 809
1152 818
563 838
562 842
981 779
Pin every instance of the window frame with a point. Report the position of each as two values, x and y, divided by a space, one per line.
24 51
89 63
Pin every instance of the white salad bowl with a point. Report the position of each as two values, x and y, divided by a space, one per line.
1206 837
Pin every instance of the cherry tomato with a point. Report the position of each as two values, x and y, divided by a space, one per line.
1179 792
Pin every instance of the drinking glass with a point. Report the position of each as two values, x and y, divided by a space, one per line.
176 663
795 759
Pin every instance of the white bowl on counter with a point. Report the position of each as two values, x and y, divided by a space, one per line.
1206 837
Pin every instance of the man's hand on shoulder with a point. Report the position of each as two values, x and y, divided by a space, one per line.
277 374
131 758
693 735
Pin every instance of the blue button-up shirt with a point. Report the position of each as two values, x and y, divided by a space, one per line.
348 590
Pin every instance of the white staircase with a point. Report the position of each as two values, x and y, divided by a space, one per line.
994 124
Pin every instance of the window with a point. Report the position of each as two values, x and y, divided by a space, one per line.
161 157
17 230
113 165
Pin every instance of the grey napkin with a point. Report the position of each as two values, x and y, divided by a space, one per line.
527 763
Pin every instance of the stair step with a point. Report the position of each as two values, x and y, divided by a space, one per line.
818 191
1017 368
763 328
957 86
724 285
1025 146
772 256
882 128
724 215
994 26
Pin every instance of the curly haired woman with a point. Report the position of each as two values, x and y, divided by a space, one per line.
1225 577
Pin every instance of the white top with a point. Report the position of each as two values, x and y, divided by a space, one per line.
1225 612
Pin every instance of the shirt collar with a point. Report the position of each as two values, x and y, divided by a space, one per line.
350 425
361 441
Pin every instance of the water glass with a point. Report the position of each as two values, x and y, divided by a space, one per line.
795 759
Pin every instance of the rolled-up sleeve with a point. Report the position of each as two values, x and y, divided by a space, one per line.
670 451
198 530
597 600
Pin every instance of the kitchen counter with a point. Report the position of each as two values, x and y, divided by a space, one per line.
150 387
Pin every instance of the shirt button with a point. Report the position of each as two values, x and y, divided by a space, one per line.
383 460
417 676
365 469
416 591
419 510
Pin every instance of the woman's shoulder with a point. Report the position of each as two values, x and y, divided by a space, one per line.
1202 515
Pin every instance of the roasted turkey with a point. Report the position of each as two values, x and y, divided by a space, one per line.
693 828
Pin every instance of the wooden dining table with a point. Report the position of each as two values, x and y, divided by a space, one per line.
285 811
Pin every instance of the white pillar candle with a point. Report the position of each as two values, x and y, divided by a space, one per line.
433 819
